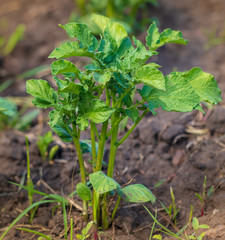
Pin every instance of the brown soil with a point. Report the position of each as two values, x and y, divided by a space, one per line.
180 149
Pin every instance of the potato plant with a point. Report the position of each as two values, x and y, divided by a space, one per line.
100 94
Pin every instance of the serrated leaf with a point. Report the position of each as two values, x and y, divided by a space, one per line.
83 192
155 39
151 76
195 223
179 95
102 183
132 113
98 112
205 85
70 49
63 66
72 87
45 96
7 107
137 193
82 33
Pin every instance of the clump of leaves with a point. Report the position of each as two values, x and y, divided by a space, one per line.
101 94
43 144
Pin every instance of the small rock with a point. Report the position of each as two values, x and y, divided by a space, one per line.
171 132
178 158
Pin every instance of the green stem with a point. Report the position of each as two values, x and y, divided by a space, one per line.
101 146
115 208
81 164
114 127
113 146
29 180
112 156
139 103
93 145
132 128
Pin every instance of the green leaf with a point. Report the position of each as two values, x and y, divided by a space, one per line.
137 193
201 236
98 112
204 84
155 39
82 122
199 197
45 96
82 33
151 76
55 116
63 66
70 49
83 192
53 151
195 223
102 78
153 36
7 107
116 31
87 228
132 113
204 226
159 237
179 95
102 183
60 128
72 87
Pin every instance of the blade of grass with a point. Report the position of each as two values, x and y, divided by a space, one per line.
35 232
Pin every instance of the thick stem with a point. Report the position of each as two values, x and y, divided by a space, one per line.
113 146
112 156
101 147
132 128
81 164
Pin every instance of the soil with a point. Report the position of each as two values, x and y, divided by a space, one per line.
176 149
